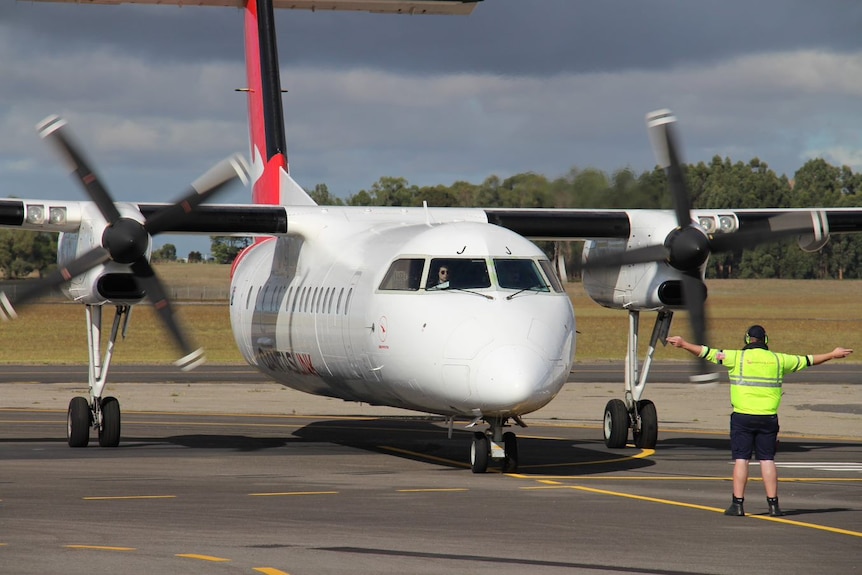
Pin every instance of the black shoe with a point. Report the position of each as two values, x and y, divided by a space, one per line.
735 509
775 510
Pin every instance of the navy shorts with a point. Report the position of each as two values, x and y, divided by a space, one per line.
753 433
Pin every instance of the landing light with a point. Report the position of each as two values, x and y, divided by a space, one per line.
727 223
35 214
57 216
707 223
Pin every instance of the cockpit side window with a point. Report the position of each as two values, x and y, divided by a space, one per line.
403 274
556 284
519 274
457 273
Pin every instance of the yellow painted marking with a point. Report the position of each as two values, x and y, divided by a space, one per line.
550 479
100 548
809 525
643 453
209 558
269 571
127 497
718 510
441 490
645 498
425 456
288 493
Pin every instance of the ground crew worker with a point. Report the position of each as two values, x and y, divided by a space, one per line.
756 375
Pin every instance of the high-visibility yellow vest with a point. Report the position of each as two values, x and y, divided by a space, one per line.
756 376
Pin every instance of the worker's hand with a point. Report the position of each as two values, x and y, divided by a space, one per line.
841 352
675 341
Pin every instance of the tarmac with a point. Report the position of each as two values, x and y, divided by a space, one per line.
821 409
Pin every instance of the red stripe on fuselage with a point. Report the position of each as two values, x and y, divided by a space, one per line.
246 251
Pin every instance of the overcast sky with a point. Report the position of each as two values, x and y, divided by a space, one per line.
541 86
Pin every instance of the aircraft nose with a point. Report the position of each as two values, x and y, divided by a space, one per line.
512 378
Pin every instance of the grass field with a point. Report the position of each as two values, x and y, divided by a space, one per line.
801 316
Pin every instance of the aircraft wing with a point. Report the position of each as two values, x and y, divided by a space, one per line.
462 7
554 224
583 224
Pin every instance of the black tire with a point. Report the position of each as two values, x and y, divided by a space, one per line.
510 445
616 424
78 419
480 452
648 435
109 432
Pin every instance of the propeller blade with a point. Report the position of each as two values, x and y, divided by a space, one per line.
213 181
775 229
694 296
635 256
660 125
35 288
147 279
53 129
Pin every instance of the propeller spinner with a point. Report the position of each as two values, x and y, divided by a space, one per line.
125 240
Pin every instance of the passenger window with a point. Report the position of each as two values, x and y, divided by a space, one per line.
519 274
296 299
403 274
347 301
452 273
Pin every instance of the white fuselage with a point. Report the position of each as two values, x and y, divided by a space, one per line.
325 310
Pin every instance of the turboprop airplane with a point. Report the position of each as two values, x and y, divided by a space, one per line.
450 311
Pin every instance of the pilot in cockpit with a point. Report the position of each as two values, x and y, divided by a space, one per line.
442 278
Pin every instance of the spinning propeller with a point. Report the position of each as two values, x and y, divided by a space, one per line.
126 240
688 246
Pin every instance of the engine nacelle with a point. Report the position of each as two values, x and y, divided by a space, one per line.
649 286
644 287
109 283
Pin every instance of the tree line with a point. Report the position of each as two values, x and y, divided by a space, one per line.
719 184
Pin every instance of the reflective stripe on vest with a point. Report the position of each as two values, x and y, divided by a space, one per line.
755 388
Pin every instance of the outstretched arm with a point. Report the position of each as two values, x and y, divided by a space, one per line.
692 348
837 353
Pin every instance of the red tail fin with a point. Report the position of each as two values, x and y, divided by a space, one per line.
272 181
266 133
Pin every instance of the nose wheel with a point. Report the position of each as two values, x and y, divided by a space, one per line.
480 452
494 445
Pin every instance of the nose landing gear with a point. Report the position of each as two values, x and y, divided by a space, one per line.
495 445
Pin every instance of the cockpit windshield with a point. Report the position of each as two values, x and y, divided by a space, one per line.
403 274
406 274
457 273
520 274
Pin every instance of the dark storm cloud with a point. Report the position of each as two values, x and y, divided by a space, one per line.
542 37
541 85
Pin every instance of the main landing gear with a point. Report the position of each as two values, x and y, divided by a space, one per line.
99 413
496 445
635 413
